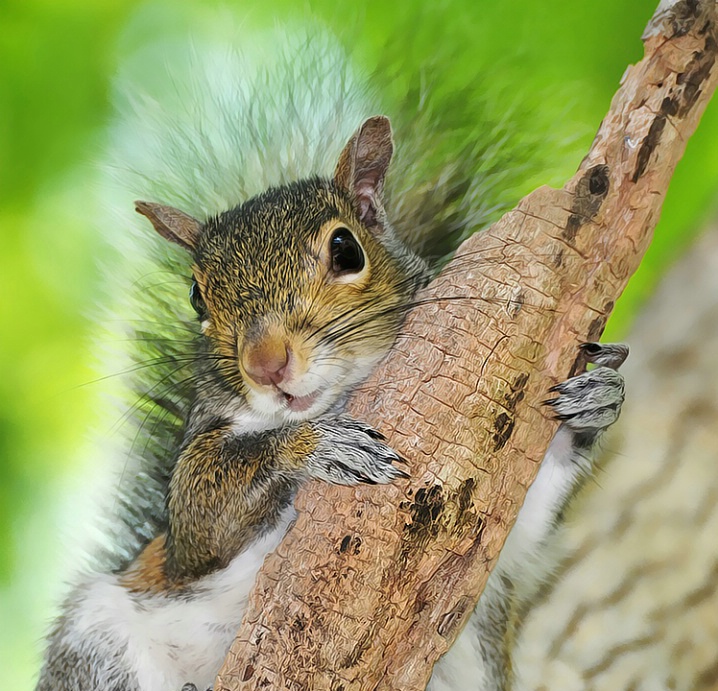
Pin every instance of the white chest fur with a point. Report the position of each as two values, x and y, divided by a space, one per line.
171 640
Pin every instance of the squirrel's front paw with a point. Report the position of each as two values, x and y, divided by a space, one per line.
591 402
350 452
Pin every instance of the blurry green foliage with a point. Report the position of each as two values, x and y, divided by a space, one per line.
564 59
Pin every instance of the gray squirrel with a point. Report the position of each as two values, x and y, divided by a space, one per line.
299 291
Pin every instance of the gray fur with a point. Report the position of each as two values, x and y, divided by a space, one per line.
72 663
591 401
224 126
351 452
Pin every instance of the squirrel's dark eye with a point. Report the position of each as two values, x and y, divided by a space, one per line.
347 255
195 298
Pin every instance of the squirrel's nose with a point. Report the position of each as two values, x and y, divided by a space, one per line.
267 362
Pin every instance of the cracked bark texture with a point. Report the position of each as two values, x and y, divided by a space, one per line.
635 603
373 584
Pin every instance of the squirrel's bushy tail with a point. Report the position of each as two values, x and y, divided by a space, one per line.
209 118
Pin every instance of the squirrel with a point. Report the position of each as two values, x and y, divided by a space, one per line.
299 291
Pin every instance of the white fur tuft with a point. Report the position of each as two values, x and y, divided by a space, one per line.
167 641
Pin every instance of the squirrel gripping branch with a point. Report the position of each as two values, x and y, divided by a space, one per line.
299 291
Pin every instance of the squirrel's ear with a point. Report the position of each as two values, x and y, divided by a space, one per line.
172 224
363 163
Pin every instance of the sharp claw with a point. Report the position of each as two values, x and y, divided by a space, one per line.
549 401
611 355
591 348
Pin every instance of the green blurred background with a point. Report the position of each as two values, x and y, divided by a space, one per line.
561 58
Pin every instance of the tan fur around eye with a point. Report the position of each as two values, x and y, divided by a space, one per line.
320 248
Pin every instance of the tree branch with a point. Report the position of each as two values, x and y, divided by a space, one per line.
373 584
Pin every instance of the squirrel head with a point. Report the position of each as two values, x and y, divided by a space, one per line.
301 290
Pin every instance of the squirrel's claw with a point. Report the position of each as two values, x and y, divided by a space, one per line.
611 355
591 402
351 452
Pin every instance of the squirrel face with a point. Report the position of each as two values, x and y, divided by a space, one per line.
301 290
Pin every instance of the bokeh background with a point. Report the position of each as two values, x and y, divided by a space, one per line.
560 61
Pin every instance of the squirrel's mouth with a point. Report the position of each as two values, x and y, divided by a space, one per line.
298 404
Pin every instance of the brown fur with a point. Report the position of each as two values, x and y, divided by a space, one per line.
264 272
148 575
215 506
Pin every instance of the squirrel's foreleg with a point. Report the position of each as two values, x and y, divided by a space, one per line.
169 619
229 488
480 659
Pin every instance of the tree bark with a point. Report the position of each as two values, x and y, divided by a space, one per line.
635 603
373 584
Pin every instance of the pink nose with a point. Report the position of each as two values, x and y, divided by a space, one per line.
267 363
